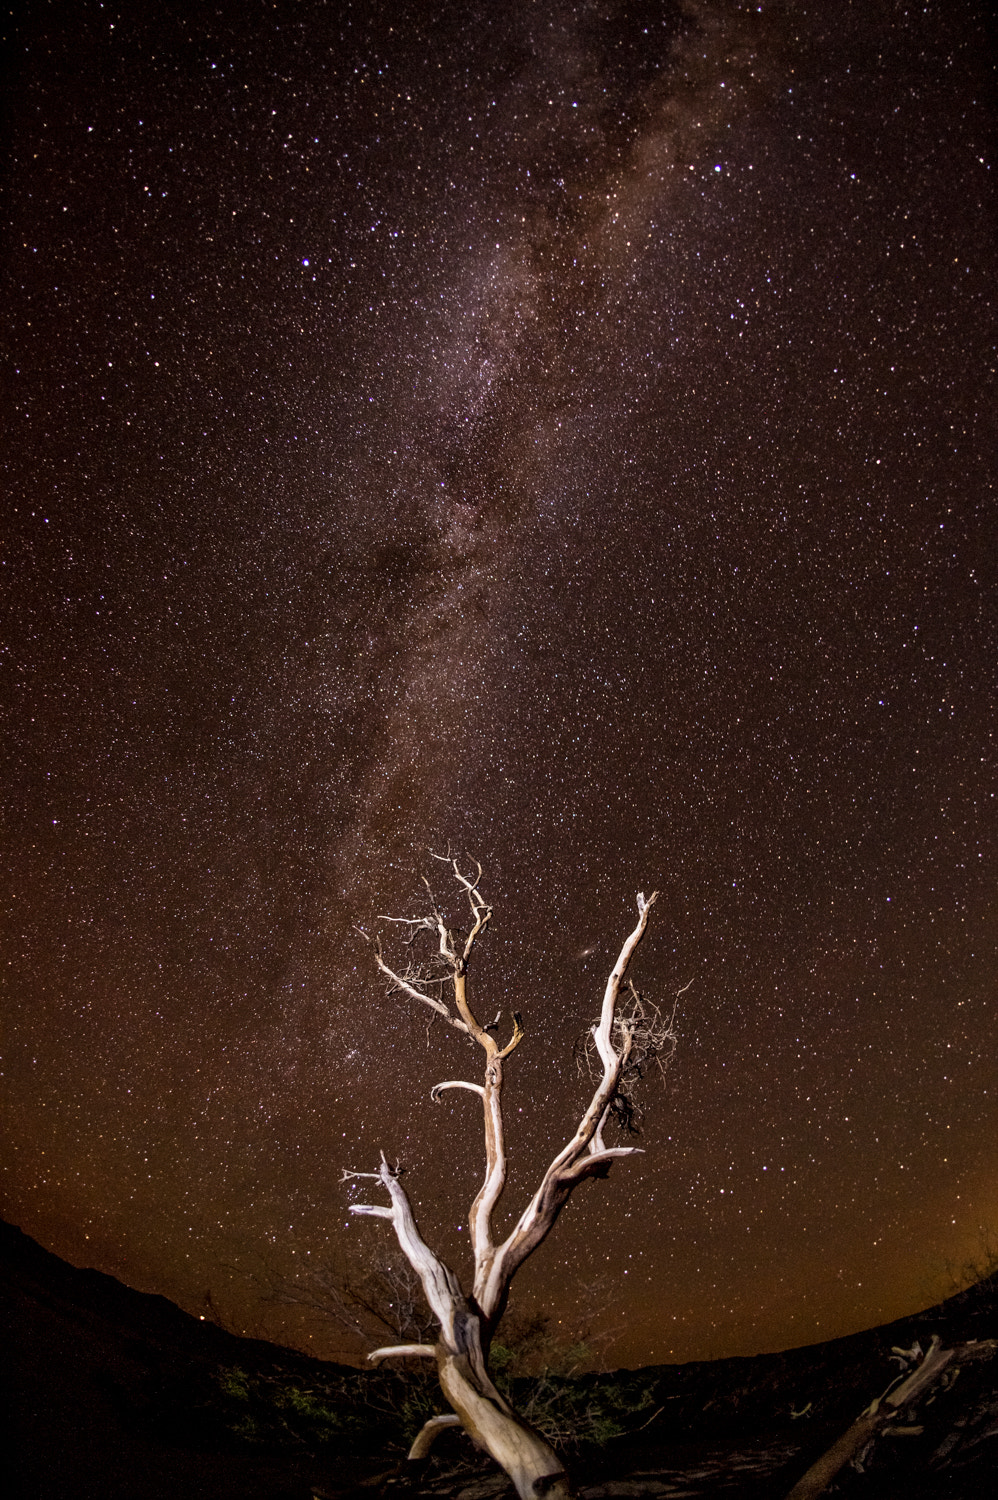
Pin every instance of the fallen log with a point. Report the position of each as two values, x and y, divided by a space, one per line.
881 1412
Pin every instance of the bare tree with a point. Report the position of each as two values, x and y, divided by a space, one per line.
467 1321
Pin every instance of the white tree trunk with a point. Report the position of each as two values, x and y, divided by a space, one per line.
526 1456
468 1323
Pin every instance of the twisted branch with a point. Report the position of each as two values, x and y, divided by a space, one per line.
620 1042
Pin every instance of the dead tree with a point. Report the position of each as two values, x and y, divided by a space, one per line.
467 1319
880 1415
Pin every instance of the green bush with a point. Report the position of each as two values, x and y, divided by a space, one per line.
538 1374
283 1410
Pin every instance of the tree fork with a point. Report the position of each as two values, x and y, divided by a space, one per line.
467 1323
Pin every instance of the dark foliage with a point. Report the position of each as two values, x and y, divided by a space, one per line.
118 1395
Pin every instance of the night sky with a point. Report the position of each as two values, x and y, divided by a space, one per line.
557 432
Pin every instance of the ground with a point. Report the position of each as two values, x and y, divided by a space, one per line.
114 1395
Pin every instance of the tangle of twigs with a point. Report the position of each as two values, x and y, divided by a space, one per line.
648 1038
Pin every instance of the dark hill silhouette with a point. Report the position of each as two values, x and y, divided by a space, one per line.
117 1395
111 1392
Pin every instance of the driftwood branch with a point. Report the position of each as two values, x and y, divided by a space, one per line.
876 1419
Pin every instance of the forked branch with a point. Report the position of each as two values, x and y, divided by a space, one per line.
585 1155
439 980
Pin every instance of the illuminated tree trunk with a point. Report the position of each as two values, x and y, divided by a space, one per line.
468 1321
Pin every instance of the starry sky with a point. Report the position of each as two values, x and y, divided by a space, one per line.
559 432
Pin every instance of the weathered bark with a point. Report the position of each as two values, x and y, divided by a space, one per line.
428 1434
876 1417
820 1475
467 1322
526 1456
489 1420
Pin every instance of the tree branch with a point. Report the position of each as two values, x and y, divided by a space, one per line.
455 1083
481 913
454 956
481 1211
515 1039
403 1351
428 1432
598 1163
399 982
566 1171
440 1286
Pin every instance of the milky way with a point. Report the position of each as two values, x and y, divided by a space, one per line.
558 433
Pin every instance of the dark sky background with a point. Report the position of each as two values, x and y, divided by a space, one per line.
558 432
